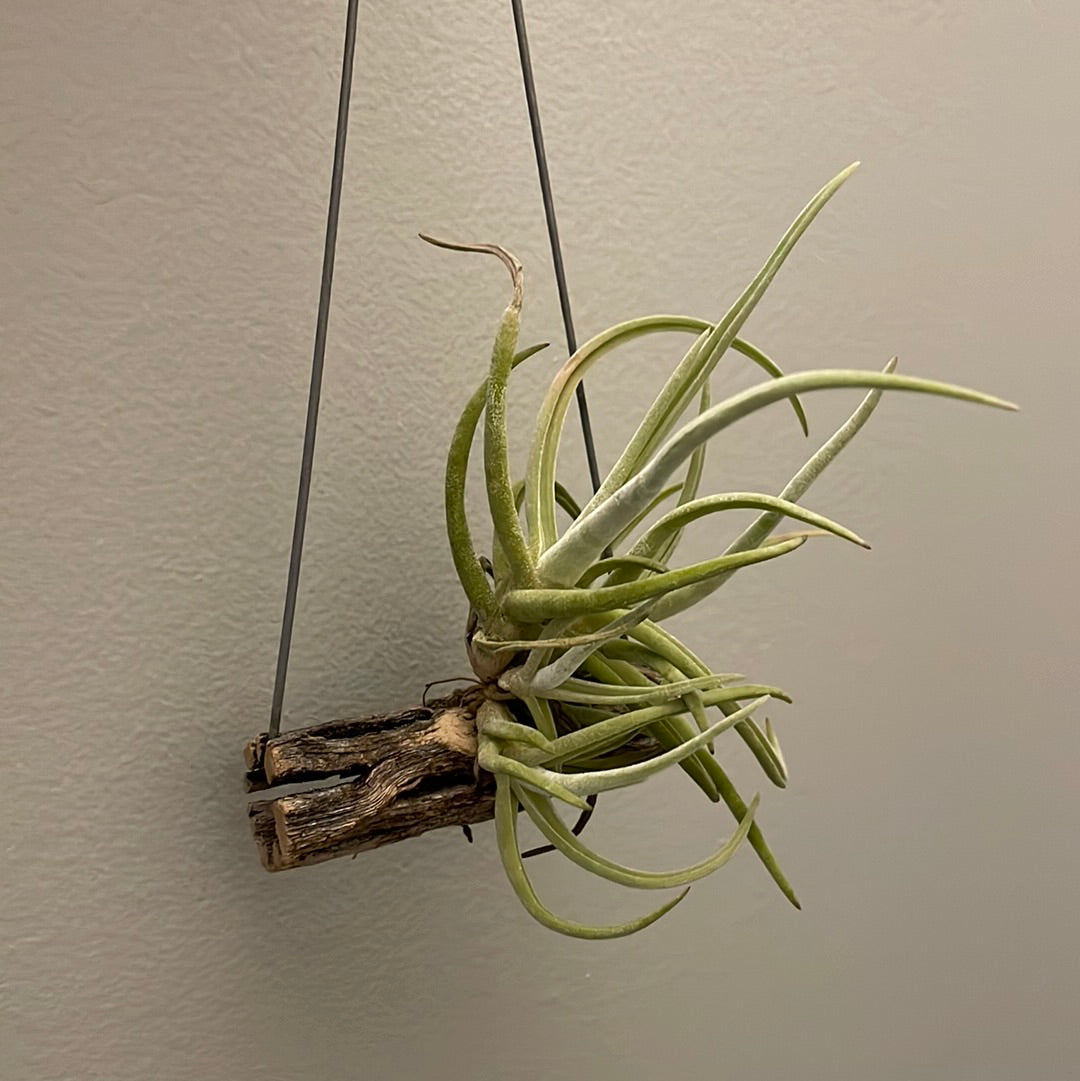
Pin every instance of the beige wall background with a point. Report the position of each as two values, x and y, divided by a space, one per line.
164 175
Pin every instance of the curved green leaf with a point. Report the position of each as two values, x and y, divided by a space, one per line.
557 833
506 835
564 562
655 539
533 605
473 580
591 783
695 367
756 533
543 455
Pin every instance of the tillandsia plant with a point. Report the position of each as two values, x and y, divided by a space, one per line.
584 689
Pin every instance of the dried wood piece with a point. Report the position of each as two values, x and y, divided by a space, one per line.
309 821
383 758
254 778
265 833
342 748
397 775
408 816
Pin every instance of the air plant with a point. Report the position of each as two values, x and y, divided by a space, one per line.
585 691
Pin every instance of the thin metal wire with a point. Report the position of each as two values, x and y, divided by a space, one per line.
318 357
553 229
564 293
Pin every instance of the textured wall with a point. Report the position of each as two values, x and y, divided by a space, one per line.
164 174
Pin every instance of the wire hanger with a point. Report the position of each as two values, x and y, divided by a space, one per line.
322 320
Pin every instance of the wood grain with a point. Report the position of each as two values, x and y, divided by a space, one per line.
396 775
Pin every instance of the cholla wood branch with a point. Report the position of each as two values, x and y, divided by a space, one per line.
382 779
581 688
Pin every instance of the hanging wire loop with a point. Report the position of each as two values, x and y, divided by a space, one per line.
544 175
319 355
553 228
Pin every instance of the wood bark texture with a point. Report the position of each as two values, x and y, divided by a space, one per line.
371 781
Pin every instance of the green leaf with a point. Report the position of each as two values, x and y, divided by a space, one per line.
759 530
633 563
691 485
695 367
557 833
669 730
617 728
591 783
655 638
685 661
564 562
506 835
543 455
534 605
473 580
583 692
564 666
500 489
654 542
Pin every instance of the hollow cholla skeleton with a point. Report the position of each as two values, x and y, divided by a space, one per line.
586 690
